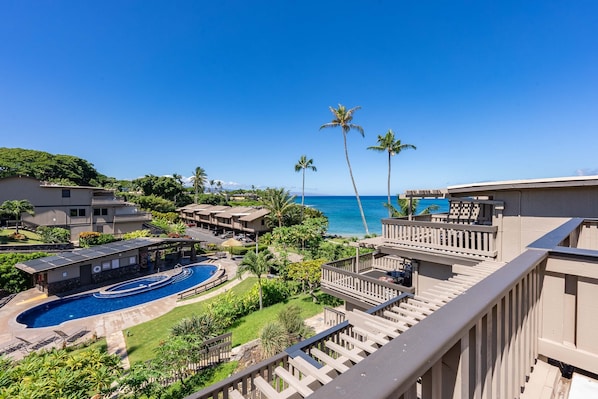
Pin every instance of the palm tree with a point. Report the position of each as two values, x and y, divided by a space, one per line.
16 208
303 164
343 118
388 144
279 202
407 208
199 180
178 178
258 265
212 182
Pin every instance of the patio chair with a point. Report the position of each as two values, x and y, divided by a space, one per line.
44 342
70 338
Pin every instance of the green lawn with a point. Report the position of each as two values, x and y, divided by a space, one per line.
32 238
143 338
248 328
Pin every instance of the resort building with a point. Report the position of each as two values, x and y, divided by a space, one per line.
221 218
75 208
484 301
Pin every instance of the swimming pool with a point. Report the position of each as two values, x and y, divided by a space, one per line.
76 307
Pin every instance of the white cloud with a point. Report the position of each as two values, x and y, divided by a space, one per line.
586 172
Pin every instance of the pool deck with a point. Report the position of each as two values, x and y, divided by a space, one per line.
109 325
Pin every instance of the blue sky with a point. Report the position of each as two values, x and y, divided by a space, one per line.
486 90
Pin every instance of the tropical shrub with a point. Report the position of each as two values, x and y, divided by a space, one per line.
308 273
273 339
154 203
170 227
59 374
226 309
290 318
137 234
90 238
12 279
171 217
287 330
53 235
275 291
203 326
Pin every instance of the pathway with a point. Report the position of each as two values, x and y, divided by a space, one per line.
113 327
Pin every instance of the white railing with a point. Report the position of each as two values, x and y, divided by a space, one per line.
362 288
462 239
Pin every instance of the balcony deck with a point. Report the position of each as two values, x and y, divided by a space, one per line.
457 239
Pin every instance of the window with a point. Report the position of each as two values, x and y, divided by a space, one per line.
96 212
66 193
100 211
104 211
77 212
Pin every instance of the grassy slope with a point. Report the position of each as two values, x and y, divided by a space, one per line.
143 338
32 238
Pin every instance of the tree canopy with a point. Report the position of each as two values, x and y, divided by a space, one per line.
64 169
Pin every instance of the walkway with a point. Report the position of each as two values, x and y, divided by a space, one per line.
115 340
110 325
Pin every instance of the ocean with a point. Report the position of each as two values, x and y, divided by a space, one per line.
343 213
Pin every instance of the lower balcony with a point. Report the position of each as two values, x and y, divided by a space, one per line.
364 281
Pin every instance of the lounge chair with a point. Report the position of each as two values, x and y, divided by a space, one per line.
70 338
44 342
12 347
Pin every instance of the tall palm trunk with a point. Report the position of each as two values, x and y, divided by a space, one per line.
365 225
302 195
388 186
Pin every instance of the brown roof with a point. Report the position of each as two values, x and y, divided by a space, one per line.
235 211
209 209
256 214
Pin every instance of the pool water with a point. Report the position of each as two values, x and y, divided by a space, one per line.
76 307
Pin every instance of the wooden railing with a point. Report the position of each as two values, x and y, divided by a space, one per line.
351 265
215 351
388 263
332 316
204 287
367 262
362 288
244 382
462 239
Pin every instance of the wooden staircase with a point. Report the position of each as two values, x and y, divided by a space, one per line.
309 369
